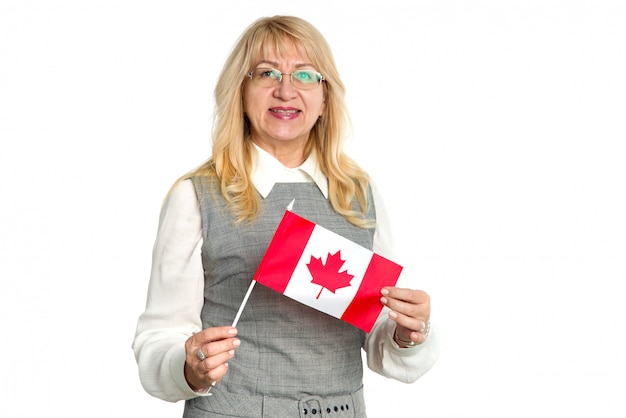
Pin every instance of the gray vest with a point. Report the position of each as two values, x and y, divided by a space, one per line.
293 360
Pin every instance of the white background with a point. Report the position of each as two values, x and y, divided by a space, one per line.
495 128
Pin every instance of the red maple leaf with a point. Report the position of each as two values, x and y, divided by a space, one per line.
328 275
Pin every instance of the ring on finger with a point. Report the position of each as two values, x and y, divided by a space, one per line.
200 354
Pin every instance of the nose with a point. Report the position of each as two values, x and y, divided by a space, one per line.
285 90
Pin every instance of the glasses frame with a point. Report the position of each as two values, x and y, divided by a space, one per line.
281 74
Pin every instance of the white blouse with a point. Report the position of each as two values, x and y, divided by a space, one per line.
176 289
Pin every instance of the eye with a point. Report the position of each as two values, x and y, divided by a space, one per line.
306 76
268 73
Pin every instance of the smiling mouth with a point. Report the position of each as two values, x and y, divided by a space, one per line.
285 111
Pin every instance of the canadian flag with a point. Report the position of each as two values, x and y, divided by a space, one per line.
326 271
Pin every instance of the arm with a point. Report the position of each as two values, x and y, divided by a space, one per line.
387 358
384 355
175 298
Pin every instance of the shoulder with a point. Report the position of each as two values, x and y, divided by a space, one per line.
182 195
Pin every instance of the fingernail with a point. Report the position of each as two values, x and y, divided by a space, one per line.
383 301
423 328
393 315
237 343
384 291
232 331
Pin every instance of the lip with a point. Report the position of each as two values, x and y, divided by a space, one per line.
284 113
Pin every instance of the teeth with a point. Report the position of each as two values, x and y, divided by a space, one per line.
287 112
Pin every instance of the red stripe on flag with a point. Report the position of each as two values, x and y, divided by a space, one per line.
284 252
365 306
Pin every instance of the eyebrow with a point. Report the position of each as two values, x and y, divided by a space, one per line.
275 64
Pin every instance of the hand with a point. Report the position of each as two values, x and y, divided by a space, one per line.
410 309
217 345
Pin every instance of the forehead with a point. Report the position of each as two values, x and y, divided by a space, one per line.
282 51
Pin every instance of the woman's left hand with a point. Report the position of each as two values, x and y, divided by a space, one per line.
410 309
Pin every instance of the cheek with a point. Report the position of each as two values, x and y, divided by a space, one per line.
245 100
250 101
322 102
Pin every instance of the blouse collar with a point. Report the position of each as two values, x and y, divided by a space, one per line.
267 171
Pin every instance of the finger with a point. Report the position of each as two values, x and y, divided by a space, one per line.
215 348
400 308
411 337
407 323
200 377
195 345
412 303
405 308
214 376
213 368
216 361
214 334
407 295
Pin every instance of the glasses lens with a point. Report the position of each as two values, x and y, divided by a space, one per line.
302 79
306 79
266 77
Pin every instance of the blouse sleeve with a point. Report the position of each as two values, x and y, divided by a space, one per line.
384 356
175 297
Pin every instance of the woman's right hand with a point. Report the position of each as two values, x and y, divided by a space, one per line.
216 345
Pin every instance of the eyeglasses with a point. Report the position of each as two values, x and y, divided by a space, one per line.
270 77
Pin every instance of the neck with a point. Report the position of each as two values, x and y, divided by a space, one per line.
290 155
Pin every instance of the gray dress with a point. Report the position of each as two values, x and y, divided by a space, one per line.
294 361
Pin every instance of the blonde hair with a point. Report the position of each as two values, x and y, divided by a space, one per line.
231 158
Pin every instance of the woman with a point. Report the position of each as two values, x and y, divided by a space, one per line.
277 137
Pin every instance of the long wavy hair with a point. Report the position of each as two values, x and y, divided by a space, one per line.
231 160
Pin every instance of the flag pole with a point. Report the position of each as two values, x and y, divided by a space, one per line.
243 303
247 296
